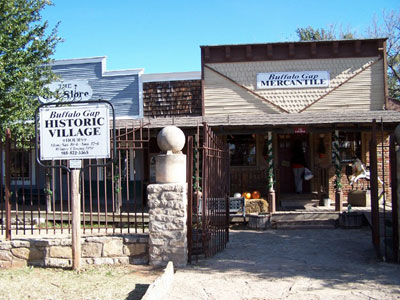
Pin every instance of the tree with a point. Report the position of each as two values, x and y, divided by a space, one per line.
25 51
388 28
331 33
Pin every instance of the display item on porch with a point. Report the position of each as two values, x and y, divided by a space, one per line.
255 195
259 221
308 175
237 195
246 195
255 206
350 219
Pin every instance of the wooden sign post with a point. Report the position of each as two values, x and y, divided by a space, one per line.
76 219
76 132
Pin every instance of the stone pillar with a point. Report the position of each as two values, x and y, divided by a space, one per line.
167 224
167 200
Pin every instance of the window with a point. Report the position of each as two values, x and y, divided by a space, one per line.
349 146
242 150
22 166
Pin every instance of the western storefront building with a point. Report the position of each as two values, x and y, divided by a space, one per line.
264 98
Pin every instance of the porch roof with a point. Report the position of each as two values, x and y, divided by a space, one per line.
344 118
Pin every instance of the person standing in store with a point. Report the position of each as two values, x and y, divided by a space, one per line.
298 164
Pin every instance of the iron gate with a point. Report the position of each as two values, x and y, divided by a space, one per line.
208 208
384 213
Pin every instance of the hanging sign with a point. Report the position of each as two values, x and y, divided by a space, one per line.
300 130
68 91
293 80
74 132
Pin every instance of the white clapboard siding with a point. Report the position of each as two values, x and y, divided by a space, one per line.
356 83
224 97
363 92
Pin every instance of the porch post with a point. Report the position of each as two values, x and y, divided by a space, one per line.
270 170
338 173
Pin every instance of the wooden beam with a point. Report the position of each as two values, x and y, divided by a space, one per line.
291 50
357 47
228 52
270 52
249 52
335 48
207 53
313 49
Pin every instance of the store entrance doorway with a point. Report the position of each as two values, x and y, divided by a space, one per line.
285 154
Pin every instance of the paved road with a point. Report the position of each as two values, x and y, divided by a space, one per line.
291 264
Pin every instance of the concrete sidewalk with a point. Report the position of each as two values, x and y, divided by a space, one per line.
291 264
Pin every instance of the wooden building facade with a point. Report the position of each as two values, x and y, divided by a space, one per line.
320 93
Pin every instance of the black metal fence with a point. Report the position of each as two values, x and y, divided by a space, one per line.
208 209
384 205
39 200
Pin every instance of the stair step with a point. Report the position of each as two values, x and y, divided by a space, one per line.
304 216
304 224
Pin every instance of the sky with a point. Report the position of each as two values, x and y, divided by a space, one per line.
165 36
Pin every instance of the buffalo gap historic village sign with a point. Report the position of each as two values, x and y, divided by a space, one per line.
74 132
73 127
287 80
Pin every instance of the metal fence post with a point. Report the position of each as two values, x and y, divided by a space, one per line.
374 191
8 183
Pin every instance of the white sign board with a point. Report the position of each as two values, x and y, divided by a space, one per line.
75 132
68 91
293 80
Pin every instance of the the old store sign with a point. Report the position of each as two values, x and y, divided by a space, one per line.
286 80
74 90
74 132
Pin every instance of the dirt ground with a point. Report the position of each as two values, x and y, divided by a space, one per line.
305 264
92 283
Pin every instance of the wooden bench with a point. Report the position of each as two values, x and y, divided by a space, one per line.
236 206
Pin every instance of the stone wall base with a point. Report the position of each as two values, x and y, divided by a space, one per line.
167 224
57 252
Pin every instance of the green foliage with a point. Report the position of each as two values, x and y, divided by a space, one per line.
389 27
386 27
311 34
331 33
25 50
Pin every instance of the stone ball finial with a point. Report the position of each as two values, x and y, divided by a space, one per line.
171 138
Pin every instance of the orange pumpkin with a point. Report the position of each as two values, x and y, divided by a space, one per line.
255 195
246 195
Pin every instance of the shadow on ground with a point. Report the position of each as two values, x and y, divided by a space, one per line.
138 292
333 256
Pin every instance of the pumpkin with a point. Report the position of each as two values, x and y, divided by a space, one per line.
246 195
255 195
